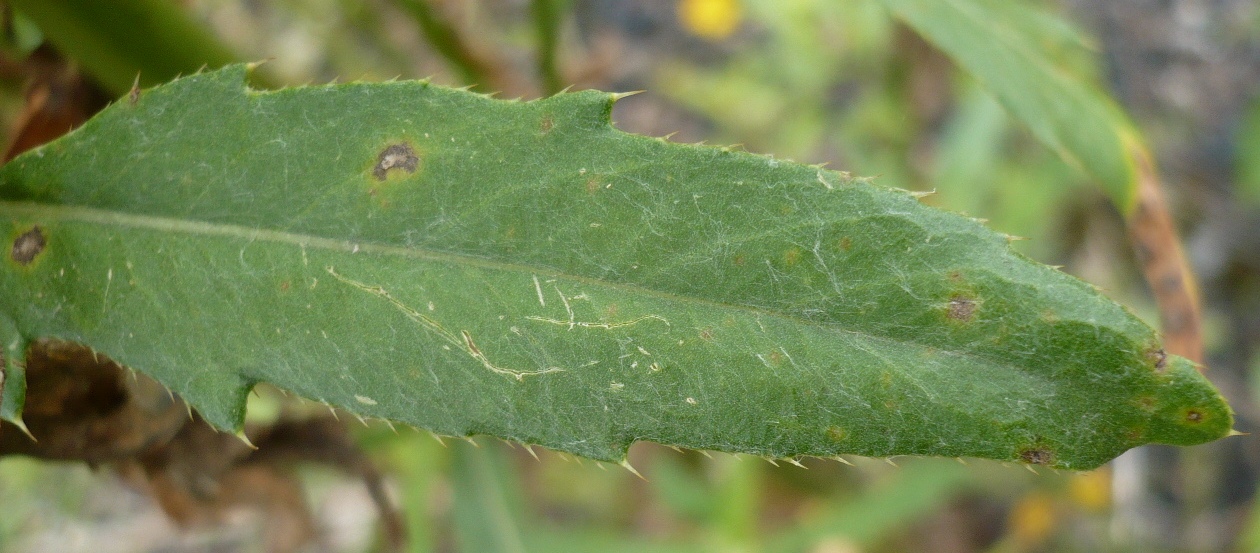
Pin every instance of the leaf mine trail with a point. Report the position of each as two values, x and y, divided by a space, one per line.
464 341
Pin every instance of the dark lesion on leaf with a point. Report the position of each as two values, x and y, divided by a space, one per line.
28 245
1037 455
1194 416
1158 357
961 308
395 156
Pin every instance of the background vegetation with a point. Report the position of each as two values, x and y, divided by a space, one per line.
812 80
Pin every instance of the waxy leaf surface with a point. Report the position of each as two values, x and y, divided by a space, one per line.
524 270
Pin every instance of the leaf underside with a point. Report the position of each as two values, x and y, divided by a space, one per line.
524 270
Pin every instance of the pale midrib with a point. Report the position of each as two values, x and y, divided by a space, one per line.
193 227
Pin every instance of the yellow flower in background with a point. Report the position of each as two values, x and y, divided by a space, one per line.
1092 490
710 19
1032 520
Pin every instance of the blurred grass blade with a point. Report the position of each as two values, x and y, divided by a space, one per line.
875 515
448 43
486 510
1069 116
524 270
115 40
547 15
1001 45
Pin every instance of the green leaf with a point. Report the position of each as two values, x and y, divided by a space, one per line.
524 270
1003 46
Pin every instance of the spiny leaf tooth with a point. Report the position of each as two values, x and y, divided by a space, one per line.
843 460
794 461
890 461
920 194
1010 238
617 96
625 463
438 438
240 435
470 440
1031 469
961 461
771 461
531 452
21 425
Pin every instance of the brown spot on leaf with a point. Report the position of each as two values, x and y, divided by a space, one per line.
837 434
28 245
592 185
775 358
1036 455
397 156
706 334
740 260
792 256
1194 416
1158 358
1146 403
547 124
845 243
961 308
284 286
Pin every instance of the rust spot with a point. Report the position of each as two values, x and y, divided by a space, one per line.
775 358
592 185
955 276
961 308
791 257
740 260
396 156
706 334
837 434
547 124
1135 435
1194 416
1036 455
28 245
845 243
1146 403
284 286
